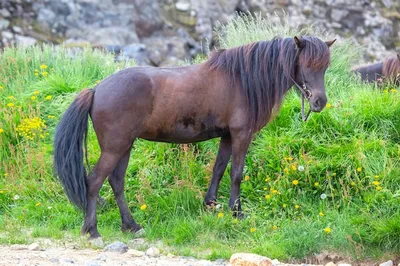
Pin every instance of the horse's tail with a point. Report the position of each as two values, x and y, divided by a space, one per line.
70 136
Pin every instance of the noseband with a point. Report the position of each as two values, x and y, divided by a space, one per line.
305 93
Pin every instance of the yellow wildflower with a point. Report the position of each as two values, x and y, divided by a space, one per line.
274 191
267 179
246 178
1 191
275 227
393 90
5 174
327 230
48 98
11 97
295 182
252 230
286 170
236 220
143 207
284 205
1 130
359 169
321 214
50 116
352 183
297 206
378 188
38 204
265 188
33 98
1 87
316 184
220 215
43 66
268 196
45 74
334 174
10 104
36 92
328 105
376 177
375 183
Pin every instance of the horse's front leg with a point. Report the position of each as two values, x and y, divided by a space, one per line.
240 144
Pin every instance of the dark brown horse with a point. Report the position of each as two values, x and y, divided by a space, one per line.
231 96
386 71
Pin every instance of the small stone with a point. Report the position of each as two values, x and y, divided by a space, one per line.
54 260
135 253
387 263
117 247
182 5
101 257
247 259
68 261
19 247
97 242
205 263
330 264
34 247
153 252
92 263
219 262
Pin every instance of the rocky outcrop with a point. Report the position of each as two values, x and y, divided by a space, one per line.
165 32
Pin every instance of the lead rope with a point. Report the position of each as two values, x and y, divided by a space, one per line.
305 93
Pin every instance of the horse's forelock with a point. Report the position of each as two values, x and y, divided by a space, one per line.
315 54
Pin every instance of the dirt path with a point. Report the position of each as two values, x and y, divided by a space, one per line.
20 255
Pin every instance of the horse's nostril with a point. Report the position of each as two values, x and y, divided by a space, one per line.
318 102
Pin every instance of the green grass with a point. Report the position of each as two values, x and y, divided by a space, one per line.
345 151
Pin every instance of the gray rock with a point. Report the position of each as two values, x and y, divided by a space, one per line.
205 263
101 257
54 260
387 263
4 24
153 252
24 40
135 51
117 247
68 261
137 243
92 263
34 247
220 262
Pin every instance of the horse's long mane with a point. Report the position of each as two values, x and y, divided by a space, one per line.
391 69
265 70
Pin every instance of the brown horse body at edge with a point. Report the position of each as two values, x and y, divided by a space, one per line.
230 96
388 70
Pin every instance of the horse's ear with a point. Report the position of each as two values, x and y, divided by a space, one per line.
300 43
329 43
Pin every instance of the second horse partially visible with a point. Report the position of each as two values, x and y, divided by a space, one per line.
230 96
386 71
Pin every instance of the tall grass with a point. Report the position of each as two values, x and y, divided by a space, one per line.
339 171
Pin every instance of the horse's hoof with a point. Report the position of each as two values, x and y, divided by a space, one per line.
140 232
96 242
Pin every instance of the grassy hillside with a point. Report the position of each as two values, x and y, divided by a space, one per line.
332 183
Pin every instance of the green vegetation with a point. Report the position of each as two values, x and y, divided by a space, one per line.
329 184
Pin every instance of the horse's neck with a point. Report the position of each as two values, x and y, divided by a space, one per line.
371 72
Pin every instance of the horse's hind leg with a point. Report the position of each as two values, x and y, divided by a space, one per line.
117 180
224 154
94 181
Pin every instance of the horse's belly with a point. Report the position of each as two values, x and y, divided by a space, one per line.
185 135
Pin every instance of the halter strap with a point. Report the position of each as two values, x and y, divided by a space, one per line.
305 93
